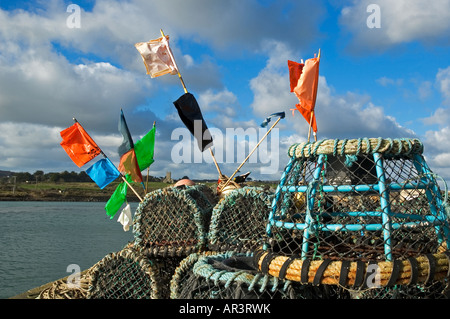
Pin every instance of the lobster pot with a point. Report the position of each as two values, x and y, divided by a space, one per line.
129 274
173 221
368 201
239 220
226 275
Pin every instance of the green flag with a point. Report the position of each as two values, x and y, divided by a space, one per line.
117 199
144 149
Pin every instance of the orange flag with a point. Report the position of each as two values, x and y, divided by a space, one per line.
306 90
80 147
295 70
129 165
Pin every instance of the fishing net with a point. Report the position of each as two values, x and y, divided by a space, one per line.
174 221
232 275
129 274
348 212
239 220
61 289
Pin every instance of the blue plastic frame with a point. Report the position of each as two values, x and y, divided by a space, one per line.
437 219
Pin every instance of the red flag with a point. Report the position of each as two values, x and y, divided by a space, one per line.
306 90
129 165
295 70
80 147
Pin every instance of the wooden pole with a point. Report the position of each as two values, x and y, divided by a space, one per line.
215 162
173 59
310 128
312 112
248 156
148 168
121 175
186 91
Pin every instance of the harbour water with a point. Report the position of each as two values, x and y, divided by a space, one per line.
44 241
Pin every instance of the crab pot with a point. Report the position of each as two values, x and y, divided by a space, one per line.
239 220
356 203
129 274
232 275
173 221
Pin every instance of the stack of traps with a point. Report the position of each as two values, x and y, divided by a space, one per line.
362 218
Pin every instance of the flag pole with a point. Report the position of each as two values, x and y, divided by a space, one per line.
312 112
121 175
186 91
215 162
248 156
148 169
173 59
310 127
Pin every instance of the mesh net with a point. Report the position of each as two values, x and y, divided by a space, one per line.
174 221
370 201
128 274
239 220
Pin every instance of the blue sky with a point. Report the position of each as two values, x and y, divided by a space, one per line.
392 81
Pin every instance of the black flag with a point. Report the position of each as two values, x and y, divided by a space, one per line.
192 117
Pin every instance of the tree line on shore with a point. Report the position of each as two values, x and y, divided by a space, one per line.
53 177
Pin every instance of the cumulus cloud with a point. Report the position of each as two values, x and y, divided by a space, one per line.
348 115
400 22
441 115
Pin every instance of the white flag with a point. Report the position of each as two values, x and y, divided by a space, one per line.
158 58
125 218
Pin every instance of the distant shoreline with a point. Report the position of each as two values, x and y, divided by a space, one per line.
21 198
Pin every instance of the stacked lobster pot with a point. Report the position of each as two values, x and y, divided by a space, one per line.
169 224
364 215
238 220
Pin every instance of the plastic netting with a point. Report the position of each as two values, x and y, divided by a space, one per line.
174 221
232 275
129 274
239 220
365 201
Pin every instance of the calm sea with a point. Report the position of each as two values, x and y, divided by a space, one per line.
39 240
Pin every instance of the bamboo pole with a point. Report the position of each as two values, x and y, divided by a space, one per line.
215 162
148 168
248 156
186 91
173 59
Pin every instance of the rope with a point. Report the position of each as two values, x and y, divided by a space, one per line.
399 272
395 147
205 269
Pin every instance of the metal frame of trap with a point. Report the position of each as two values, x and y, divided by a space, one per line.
437 219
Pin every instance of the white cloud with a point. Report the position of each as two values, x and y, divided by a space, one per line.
402 21
385 81
443 81
441 115
271 89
